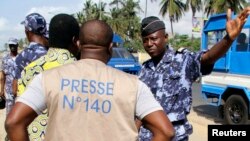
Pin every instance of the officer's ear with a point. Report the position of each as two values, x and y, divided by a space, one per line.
110 51
166 35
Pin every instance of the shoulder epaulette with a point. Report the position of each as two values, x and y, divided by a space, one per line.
181 50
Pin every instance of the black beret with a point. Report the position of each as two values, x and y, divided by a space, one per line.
150 25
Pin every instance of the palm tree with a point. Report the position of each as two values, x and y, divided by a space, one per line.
209 7
195 5
122 18
116 20
100 10
220 6
146 7
79 17
128 12
88 9
116 2
175 10
91 11
130 7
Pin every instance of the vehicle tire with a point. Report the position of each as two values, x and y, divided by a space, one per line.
235 110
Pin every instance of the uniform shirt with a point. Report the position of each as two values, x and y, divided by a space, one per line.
171 83
8 65
55 57
29 54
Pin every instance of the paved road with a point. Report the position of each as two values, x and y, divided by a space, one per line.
2 119
201 115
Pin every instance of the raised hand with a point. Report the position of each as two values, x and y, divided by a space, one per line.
234 27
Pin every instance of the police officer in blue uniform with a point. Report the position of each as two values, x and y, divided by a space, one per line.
170 74
37 34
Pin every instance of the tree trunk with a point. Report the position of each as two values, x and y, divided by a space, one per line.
171 23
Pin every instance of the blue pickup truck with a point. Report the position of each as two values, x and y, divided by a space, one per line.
122 59
228 86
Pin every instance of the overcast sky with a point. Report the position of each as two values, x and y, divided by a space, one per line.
14 11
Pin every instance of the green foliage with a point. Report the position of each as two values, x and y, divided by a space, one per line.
174 8
178 41
124 20
122 17
195 5
134 46
196 44
221 6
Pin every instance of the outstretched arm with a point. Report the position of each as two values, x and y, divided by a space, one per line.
233 28
18 120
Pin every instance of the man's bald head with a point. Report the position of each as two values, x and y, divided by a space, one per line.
96 40
96 32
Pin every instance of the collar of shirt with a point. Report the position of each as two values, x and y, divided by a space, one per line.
167 58
33 44
54 50
98 62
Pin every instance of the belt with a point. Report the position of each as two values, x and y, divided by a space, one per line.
179 122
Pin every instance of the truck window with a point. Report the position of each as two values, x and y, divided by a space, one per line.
214 37
243 41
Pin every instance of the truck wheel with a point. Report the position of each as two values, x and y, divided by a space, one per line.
235 110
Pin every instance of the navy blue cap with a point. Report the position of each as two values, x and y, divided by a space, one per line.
150 25
13 41
36 23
